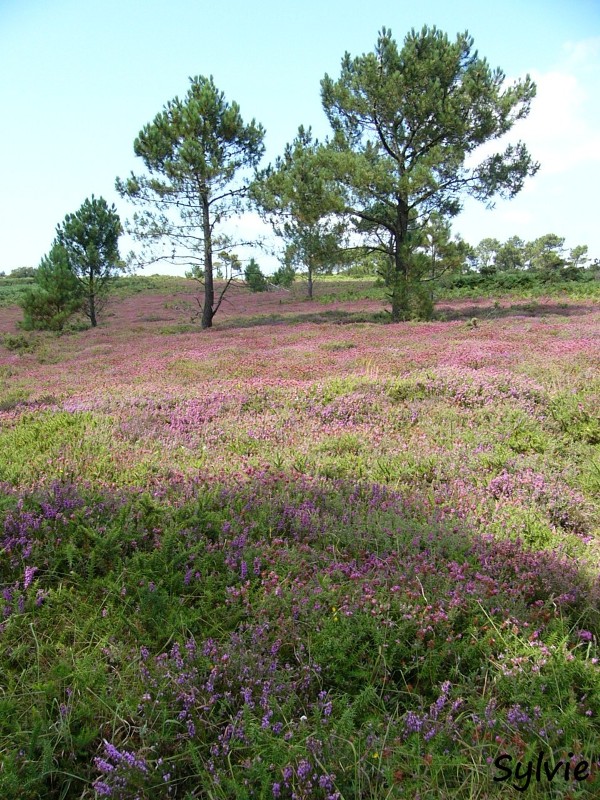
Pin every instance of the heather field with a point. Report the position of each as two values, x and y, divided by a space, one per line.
303 554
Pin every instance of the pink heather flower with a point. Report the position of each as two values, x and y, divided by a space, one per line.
101 788
29 573
304 769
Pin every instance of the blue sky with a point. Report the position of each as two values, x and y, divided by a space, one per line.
80 78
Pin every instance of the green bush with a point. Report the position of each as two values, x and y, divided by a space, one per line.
576 417
19 343
490 282
23 272
41 311
254 277
55 296
284 276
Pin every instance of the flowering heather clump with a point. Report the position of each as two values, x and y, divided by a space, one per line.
324 658
121 770
222 698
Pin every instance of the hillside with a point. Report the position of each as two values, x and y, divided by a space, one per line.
303 554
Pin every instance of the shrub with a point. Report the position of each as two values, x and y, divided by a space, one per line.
18 343
284 276
254 277
23 272
55 296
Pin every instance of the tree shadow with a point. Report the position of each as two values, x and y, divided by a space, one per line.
531 309
333 316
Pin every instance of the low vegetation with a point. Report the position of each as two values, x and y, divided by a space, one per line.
294 559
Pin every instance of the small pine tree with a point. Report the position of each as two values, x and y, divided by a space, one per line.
254 277
55 296
89 238
284 276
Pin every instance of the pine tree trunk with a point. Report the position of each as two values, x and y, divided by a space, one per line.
400 288
209 289
92 304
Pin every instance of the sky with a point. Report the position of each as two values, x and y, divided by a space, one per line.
80 78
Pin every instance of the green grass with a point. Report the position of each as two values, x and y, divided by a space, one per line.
12 290
131 285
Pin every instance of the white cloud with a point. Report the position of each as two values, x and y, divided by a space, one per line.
260 241
584 54
562 129
562 132
558 132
